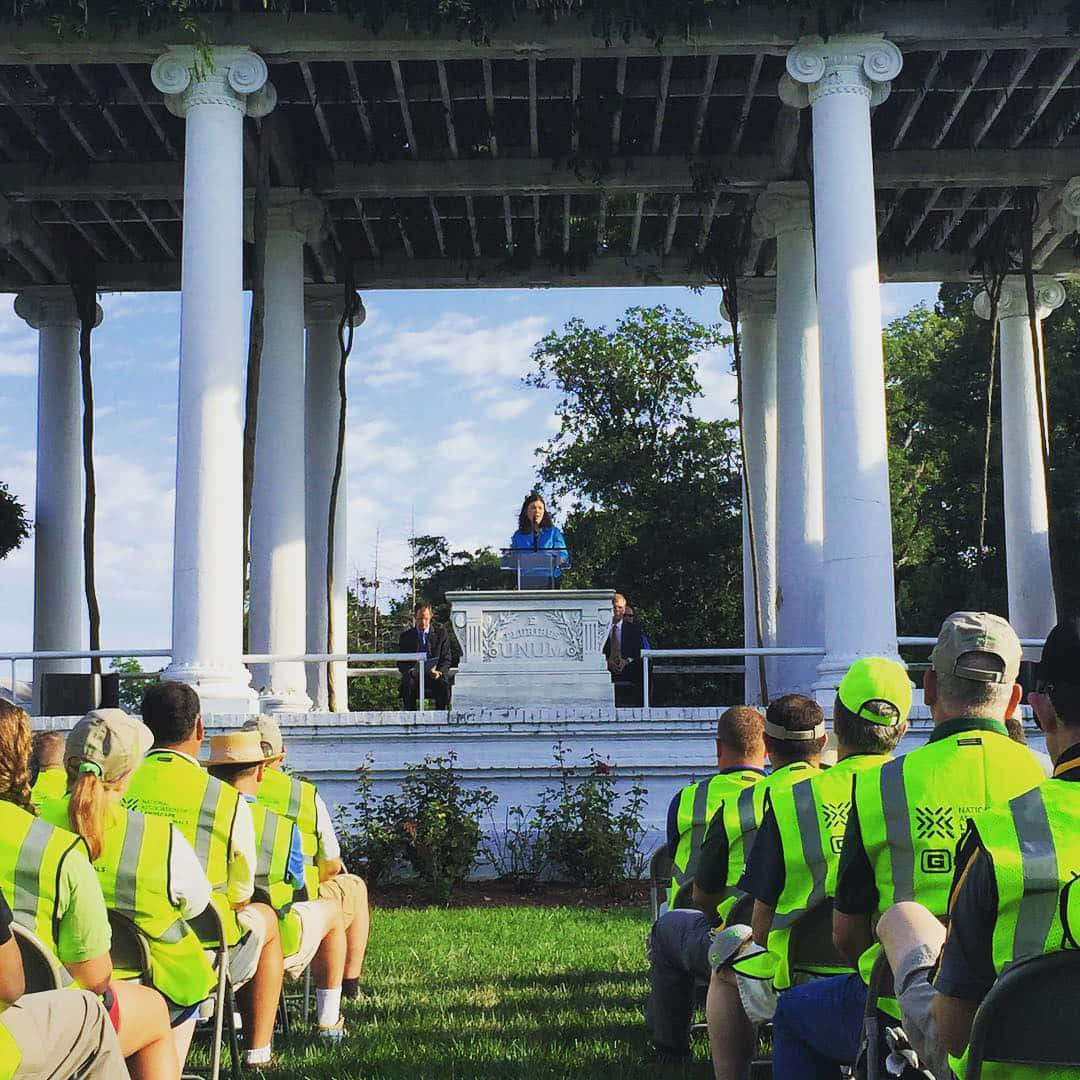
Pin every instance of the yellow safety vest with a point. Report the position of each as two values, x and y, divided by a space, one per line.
169 785
1034 850
741 816
32 852
913 810
293 798
133 869
810 819
10 1054
273 840
697 805
51 783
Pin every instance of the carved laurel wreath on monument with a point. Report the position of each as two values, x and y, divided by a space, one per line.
571 630
493 625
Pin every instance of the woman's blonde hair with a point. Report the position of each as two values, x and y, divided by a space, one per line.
15 756
88 805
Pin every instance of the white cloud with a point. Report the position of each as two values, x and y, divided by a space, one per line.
717 384
456 344
508 408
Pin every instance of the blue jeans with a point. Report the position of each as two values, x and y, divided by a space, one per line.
818 1027
678 961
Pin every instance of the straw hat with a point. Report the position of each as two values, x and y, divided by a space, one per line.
236 748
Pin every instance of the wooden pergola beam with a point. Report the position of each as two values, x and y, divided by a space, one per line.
661 103
1043 99
924 25
151 119
1001 97
360 105
747 102
406 113
448 108
913 105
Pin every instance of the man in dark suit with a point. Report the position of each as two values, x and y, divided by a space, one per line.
435 643
622 647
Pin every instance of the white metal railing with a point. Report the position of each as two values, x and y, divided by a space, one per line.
808 650
248 658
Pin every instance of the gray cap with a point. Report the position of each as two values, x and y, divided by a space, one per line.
965 633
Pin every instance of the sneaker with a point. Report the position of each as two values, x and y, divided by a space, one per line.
335 1032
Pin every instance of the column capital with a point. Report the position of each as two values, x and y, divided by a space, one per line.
757 296
781 208
321 308
1067 219
1049 295
235 77
51 305
862 64
300 214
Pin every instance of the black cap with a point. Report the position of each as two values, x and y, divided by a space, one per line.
1060 663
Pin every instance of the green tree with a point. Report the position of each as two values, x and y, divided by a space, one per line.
14 524
653 492
132 689
938 365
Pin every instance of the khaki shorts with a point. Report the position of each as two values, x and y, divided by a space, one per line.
349 891
244 956
316 919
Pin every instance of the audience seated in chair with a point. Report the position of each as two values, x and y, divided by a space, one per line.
54 1033
680 941
906 817
56 894
791 869
312 931
215 820
325 873
47 763
1013 888
148 872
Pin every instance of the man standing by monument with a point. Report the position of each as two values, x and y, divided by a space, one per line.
622 647
432 640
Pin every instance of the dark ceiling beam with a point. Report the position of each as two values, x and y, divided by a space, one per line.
144 105
746 30
928 169
747 102
915 101
1044 97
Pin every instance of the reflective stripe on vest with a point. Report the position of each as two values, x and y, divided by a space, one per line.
134 873
742 817
31 854
698 803
273 840
171 786
293 798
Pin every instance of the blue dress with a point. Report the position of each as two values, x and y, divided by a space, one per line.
548 539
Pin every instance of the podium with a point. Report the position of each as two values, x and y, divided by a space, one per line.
533 569
532 648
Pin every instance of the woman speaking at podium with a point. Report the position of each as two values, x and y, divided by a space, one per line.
536 532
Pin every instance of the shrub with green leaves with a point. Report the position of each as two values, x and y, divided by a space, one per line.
591 832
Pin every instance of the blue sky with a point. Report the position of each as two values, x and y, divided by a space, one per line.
440 427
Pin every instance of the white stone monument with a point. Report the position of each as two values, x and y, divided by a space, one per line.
533 647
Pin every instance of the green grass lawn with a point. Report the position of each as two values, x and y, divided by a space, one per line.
475 994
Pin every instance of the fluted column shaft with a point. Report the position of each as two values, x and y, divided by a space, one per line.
840 80
1032 610
276 611
207 565
784 211
321 412
757 327
58 494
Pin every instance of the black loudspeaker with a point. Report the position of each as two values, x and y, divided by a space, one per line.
74 693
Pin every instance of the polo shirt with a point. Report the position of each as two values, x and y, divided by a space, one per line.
967 962
856 886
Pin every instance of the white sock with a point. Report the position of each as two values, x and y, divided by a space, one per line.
328 1006
258 1055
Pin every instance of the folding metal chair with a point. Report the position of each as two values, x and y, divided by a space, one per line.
1029 1016
660 869
209 929
881 985
41 968
130 950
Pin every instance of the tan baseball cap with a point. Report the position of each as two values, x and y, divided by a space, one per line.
269 735
108 742
236 748
964 633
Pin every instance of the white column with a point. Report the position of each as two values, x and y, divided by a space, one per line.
784 211
1032 610
757 328
321 411
212 93
277 572
58 497
840 80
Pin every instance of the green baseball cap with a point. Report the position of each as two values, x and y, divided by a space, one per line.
965 633
108 742
876 680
